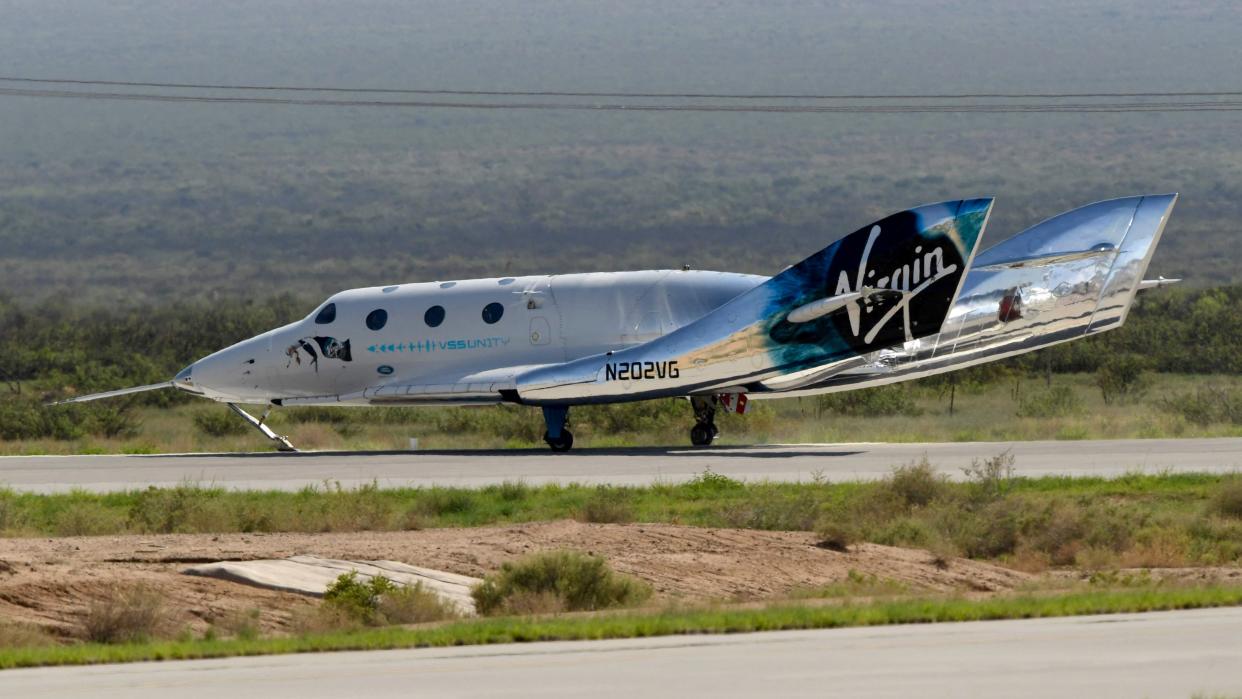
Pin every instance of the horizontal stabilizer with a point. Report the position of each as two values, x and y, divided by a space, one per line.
1156 283
1048 259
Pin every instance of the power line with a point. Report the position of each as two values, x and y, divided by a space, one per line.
626 95
1052 107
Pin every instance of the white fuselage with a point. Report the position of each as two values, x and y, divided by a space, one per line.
437 332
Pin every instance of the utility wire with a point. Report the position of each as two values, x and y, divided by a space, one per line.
1012 108
626 95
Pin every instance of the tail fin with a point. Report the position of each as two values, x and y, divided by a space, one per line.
886 283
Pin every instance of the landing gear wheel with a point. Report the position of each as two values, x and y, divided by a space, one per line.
701 435
561 443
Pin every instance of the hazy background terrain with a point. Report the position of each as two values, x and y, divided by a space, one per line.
143 202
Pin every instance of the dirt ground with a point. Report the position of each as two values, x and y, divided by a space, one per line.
51 582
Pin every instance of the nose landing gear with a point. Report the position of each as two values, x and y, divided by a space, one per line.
282 443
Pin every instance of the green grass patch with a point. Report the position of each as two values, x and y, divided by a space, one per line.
643 624
1133 520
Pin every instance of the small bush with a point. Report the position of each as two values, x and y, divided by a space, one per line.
243 624
380 602
709 482
1206 406
1122 378
414 604
18 635
89 519
916 484
127 615
218 423
607 505
580 582
1058 401
1227 501
836 532
993 477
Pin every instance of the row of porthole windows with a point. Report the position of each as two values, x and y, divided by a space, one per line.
377 319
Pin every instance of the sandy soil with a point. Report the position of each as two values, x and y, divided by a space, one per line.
52 581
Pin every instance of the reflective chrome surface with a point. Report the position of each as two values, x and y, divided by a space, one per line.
1006 309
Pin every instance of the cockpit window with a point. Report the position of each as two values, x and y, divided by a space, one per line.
326 315
377 318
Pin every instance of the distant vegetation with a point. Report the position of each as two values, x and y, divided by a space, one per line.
149 202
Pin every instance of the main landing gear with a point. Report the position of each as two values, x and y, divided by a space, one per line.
557 437
704 430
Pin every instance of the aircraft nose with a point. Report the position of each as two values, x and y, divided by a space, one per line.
184 379
230 374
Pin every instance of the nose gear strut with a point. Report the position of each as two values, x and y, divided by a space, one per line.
282 443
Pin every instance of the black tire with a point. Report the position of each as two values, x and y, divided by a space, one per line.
701 435
563 443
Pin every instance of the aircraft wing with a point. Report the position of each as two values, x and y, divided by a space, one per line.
890 282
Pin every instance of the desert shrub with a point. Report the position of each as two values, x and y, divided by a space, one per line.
128 614
18 635
169 510
915 484
509 491
1227 500
27 418
607 505
579 581
414 604
836 530
355 598
1205 406
243 624
218 423
991 478
894 399
1122 378
380 601
771 507
1058 401
1058 532
88 518
438 502
710 483
990 532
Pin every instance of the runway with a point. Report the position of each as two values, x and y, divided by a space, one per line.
834 462
1161 654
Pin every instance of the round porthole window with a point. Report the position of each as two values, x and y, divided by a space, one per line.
377 319
434 316
493 312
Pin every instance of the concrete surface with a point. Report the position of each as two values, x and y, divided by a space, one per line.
273 470
1162 654
311 575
